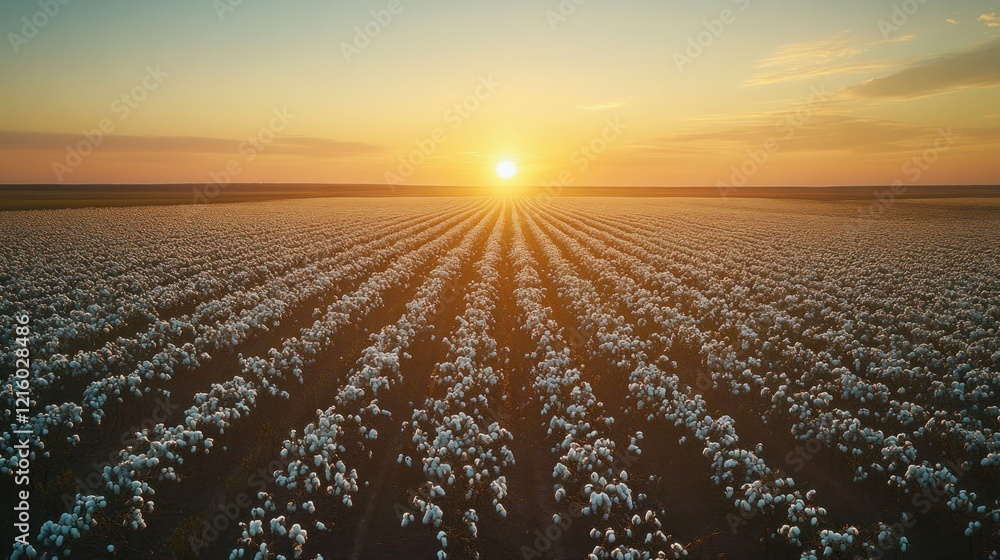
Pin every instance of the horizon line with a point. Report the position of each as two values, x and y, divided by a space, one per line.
511 187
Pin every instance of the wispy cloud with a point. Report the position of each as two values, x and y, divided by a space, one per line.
901 38
311 147
606 106
991 19
809 59
976 67
952 21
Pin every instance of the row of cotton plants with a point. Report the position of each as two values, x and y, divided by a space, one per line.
57 365
213 326
319 460
839 425
63 270
878 346
745 331
867 447
762 490
168 446
297 352
855 330
169 275
591 469
462 450
156 452
174 273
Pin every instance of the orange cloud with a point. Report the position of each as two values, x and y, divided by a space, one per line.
991 19
809 59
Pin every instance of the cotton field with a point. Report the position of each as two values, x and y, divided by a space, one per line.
448 378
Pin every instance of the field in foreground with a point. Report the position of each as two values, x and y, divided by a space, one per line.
508 378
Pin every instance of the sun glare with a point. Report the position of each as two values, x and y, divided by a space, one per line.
506 169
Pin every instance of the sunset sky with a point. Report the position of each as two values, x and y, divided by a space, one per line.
584 92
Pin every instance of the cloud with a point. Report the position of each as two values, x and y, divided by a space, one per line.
977 67
820 57
804 59
901 38
604 106
305 146
952 21
991 19
820 132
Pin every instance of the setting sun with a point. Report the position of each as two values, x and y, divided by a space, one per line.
506 169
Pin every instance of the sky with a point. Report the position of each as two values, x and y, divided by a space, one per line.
719 93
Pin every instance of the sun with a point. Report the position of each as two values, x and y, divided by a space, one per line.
506 169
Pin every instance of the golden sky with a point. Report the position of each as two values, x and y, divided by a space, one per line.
576 92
